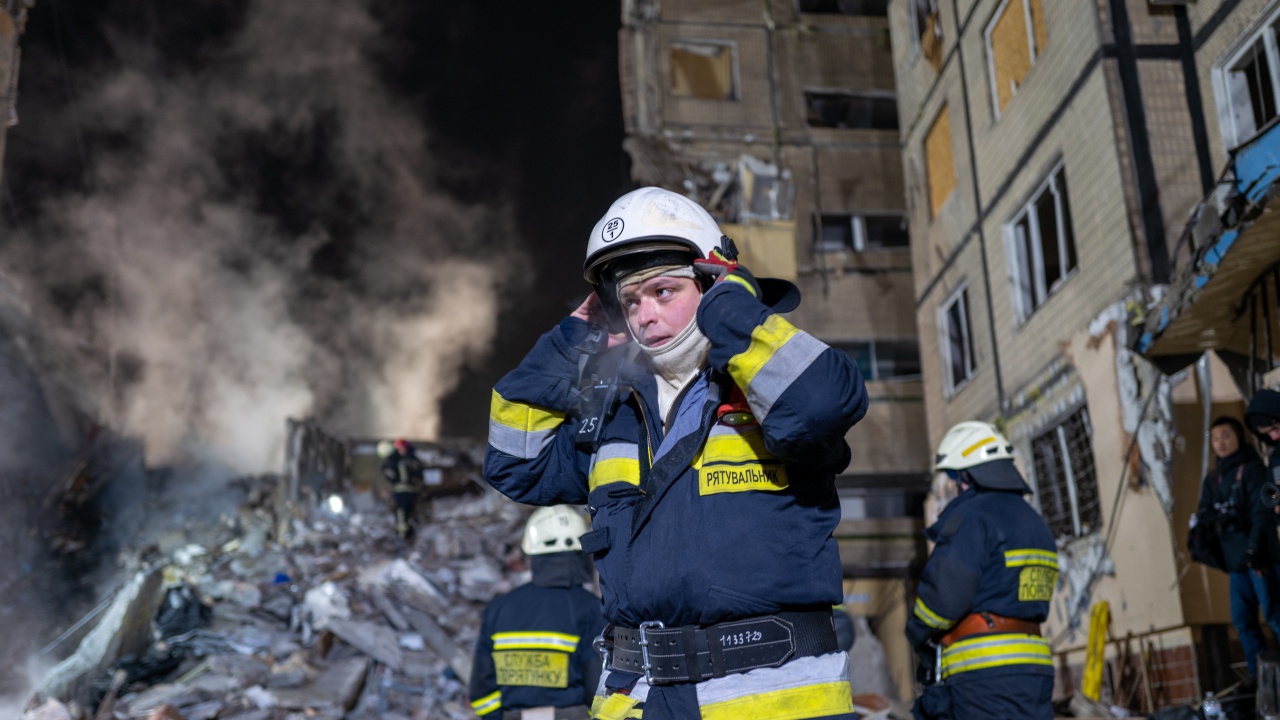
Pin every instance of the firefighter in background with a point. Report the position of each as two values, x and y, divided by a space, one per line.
534 656
708 467
402 468
985 590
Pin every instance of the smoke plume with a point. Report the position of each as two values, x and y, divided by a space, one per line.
260 234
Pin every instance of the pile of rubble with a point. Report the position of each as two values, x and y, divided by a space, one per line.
341 620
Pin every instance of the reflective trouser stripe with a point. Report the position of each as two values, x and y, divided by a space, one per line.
615 707
521 430
615 462
535 641
488 703
931 618
777 354
995 651
808 701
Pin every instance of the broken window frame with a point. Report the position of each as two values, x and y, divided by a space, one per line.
959 301
1029 287
857 240
919 25
1069 441
839 9
1235 99
694 45
868 356
1033 51
871 97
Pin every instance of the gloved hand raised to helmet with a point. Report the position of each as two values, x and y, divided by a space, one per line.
593 312
722 268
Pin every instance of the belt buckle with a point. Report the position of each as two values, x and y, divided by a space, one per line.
644 647
601 646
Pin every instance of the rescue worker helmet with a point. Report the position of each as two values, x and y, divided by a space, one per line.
982 452
646 220
553 529
385 448
402 445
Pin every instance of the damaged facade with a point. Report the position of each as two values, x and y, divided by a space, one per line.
13 19
780 119
1053 153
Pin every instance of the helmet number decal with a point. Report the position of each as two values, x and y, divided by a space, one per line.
612 229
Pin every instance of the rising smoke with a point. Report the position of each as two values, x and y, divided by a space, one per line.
260 236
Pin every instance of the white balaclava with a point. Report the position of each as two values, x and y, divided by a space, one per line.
679 360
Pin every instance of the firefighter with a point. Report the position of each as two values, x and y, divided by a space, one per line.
402 468
534 656
708 466
985 589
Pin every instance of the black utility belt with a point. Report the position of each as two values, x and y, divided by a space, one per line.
691 653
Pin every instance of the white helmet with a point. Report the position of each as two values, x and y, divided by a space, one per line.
385 448
553 529
984 452
647 219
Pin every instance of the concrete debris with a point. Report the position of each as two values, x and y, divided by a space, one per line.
341 621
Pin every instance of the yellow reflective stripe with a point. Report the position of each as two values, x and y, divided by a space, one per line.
535 641
995 651
488 703
741 281
806 701
615 707
1030 556
734 447
967 451
776 355
766 339
615 462
931 618
527 418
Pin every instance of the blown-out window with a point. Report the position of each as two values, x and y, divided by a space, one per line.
860 233
1249 85
956 341
704 70
883 359
1041 246
1066 484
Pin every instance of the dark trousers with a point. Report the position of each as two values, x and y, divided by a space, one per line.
405 502
988 697
1249 594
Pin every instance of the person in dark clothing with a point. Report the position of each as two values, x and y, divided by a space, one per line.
1231 503
403 470
985 589
535 655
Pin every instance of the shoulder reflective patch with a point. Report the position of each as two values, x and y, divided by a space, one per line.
1036 583
615 462
929 617
535 641
548 669
521 430
734 459
777 354
488 703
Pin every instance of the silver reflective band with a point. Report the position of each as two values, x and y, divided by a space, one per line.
522 444
788 361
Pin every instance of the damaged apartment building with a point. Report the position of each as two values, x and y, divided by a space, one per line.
1075 174
780 118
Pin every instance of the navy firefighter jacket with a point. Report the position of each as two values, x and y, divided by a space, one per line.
731 516
993 554
535 650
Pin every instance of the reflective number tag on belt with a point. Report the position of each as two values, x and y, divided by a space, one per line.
1035 583
538 669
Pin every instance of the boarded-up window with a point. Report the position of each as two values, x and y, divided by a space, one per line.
939 161
851 110
703 70
1015 37
1066 483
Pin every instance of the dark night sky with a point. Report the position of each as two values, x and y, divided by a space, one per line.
521 102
